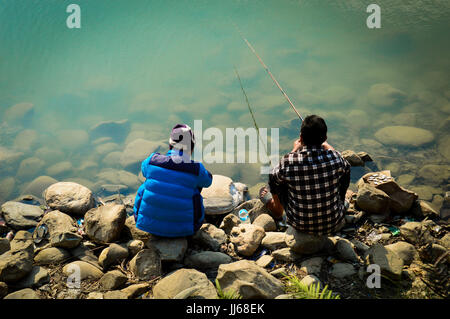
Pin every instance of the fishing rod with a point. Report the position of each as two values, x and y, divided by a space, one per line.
268 71
250 110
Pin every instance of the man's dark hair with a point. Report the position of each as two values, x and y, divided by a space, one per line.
313 130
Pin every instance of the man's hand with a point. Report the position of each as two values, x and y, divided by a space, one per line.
327 146
297 145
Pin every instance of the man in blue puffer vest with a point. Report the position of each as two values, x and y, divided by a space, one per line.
169 203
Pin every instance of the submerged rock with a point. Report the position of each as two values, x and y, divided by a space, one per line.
137 151
21 113
118 130
60 169
435 174
7 188
39 185
404 136
30 168
72 139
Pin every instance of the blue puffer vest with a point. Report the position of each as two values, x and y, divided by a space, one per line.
169 203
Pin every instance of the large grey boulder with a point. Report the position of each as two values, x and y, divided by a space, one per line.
194 283
105 223
21 216
221 197
249 280
70 198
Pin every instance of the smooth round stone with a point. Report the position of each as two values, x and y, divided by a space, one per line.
404 136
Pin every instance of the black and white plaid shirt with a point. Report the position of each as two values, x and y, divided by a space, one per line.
311 184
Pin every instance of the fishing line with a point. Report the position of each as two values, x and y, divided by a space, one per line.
251 112
268 71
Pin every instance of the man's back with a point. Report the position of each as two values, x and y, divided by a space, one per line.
315 180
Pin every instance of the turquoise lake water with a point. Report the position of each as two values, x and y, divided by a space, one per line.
159 63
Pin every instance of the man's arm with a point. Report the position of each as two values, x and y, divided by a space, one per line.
204 178
344 182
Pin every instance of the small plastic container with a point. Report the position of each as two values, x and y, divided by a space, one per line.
244 217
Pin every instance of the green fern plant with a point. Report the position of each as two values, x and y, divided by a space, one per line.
229 294
301 291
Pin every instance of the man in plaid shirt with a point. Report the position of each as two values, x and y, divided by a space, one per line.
310 183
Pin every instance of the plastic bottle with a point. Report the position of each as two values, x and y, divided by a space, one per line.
243 216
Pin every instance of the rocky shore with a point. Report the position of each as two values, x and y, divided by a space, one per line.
66 214
70 244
